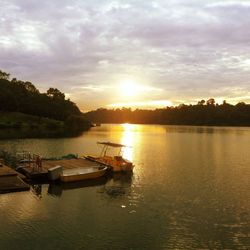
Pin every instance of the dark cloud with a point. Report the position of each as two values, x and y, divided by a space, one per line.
185 48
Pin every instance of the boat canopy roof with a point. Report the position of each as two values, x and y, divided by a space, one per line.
111 144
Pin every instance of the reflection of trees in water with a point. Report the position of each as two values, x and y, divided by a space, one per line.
118 185
203 130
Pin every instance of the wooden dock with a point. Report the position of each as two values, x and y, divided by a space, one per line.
11 181
68 164
34 172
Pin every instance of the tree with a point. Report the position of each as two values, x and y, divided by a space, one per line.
240 104
55 93
211 102
30 87
4 75
14 80
202 102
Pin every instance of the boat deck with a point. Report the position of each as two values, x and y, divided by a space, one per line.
81 170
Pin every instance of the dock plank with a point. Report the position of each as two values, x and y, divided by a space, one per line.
32 172
68 164
6 171
10 181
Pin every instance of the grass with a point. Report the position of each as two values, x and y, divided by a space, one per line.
19 125
9 119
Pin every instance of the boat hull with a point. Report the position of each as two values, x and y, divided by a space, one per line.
82 174
112 163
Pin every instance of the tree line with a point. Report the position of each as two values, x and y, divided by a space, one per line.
24 97
203 113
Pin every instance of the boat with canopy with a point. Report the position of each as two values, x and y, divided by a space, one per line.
117 163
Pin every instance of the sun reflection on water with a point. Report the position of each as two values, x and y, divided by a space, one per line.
127 139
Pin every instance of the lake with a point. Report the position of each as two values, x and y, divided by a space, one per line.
189 190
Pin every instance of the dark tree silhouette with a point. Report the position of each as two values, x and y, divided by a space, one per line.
24 97
4 75
211 102
55 93
200 114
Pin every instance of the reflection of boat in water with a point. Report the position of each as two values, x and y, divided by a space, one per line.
56 189
123 178
79 174
118 185
82 184
116 163
114 185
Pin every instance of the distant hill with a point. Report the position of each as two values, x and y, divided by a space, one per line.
204 113
18 98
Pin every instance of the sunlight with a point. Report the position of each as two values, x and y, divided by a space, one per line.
127 126
245 64
129 88
127 139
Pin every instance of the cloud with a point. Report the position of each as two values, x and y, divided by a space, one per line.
186 48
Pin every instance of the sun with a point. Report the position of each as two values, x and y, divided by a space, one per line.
129 88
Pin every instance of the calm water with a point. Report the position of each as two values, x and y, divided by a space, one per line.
190 189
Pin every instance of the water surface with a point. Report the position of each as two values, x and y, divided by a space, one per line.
190 189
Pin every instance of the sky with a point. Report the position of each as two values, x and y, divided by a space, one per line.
138 53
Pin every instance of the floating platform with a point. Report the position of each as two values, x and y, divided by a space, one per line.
11 181
68 164
41 173
33 173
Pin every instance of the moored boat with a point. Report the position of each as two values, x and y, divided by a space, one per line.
117 163
79 174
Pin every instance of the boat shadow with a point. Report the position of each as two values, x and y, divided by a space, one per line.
118 185
57 188
113 185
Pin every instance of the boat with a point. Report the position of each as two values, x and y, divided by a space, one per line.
116 163
83 173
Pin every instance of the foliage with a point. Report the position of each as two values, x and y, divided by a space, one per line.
24 97
55 94
48 114
204 113
75 123
8 158
4 75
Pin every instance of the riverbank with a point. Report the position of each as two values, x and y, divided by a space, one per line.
19 125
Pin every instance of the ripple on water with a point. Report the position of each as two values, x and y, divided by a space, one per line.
189 190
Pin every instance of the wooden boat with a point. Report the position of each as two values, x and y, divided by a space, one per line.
116 163
79 174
